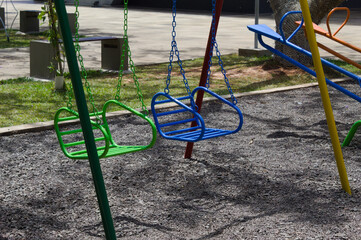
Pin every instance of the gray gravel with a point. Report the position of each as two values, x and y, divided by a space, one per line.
275 179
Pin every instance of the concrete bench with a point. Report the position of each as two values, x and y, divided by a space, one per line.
42 54
29 21
72 20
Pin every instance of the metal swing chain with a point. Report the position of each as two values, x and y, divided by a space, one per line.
214 44
80 59
213 31
173 47
121 68
126 49
70 96
226 80
174 50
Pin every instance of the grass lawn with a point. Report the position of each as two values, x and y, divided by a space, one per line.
25 101
19 40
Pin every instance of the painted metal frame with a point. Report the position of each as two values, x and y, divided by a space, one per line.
264 30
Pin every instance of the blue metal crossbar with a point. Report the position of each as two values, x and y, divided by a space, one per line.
188 114
264 30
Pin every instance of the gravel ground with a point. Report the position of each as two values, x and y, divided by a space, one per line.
275 179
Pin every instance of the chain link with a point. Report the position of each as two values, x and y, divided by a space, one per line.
174 50
126 50
81 62
226 80
213 31
70 96
214 45
173 47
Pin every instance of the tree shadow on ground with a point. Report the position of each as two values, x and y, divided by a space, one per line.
199 194
28 221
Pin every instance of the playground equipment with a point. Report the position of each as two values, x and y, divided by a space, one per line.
189 111
328 34
87 124
264 30
108 146
333 37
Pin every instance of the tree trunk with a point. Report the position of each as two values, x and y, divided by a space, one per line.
318 8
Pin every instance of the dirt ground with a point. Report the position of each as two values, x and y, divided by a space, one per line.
275 179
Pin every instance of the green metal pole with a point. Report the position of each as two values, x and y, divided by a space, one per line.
351 133
85 121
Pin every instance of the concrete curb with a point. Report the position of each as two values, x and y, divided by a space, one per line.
42 126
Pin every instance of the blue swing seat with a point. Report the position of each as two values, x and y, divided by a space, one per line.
184 132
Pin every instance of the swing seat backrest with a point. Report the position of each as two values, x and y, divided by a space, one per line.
212 132
106 146
183 115
76 149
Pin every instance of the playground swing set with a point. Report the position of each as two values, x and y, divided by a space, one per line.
265 31
110 148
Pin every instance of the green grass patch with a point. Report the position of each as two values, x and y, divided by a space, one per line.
25 101
346 66
19 40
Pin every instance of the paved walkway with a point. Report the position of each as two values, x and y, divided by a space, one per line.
150 36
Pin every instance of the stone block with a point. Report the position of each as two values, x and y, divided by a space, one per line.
255 52
29 21
2 16
111 50
41 55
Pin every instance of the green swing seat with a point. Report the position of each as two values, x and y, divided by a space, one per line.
108 146
72 141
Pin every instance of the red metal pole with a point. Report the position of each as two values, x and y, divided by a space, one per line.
202 82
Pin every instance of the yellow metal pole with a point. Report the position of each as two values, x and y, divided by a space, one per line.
325 97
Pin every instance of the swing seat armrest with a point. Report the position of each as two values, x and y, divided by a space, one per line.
123 106
135 112
172 99
222 99
60 134
196 116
